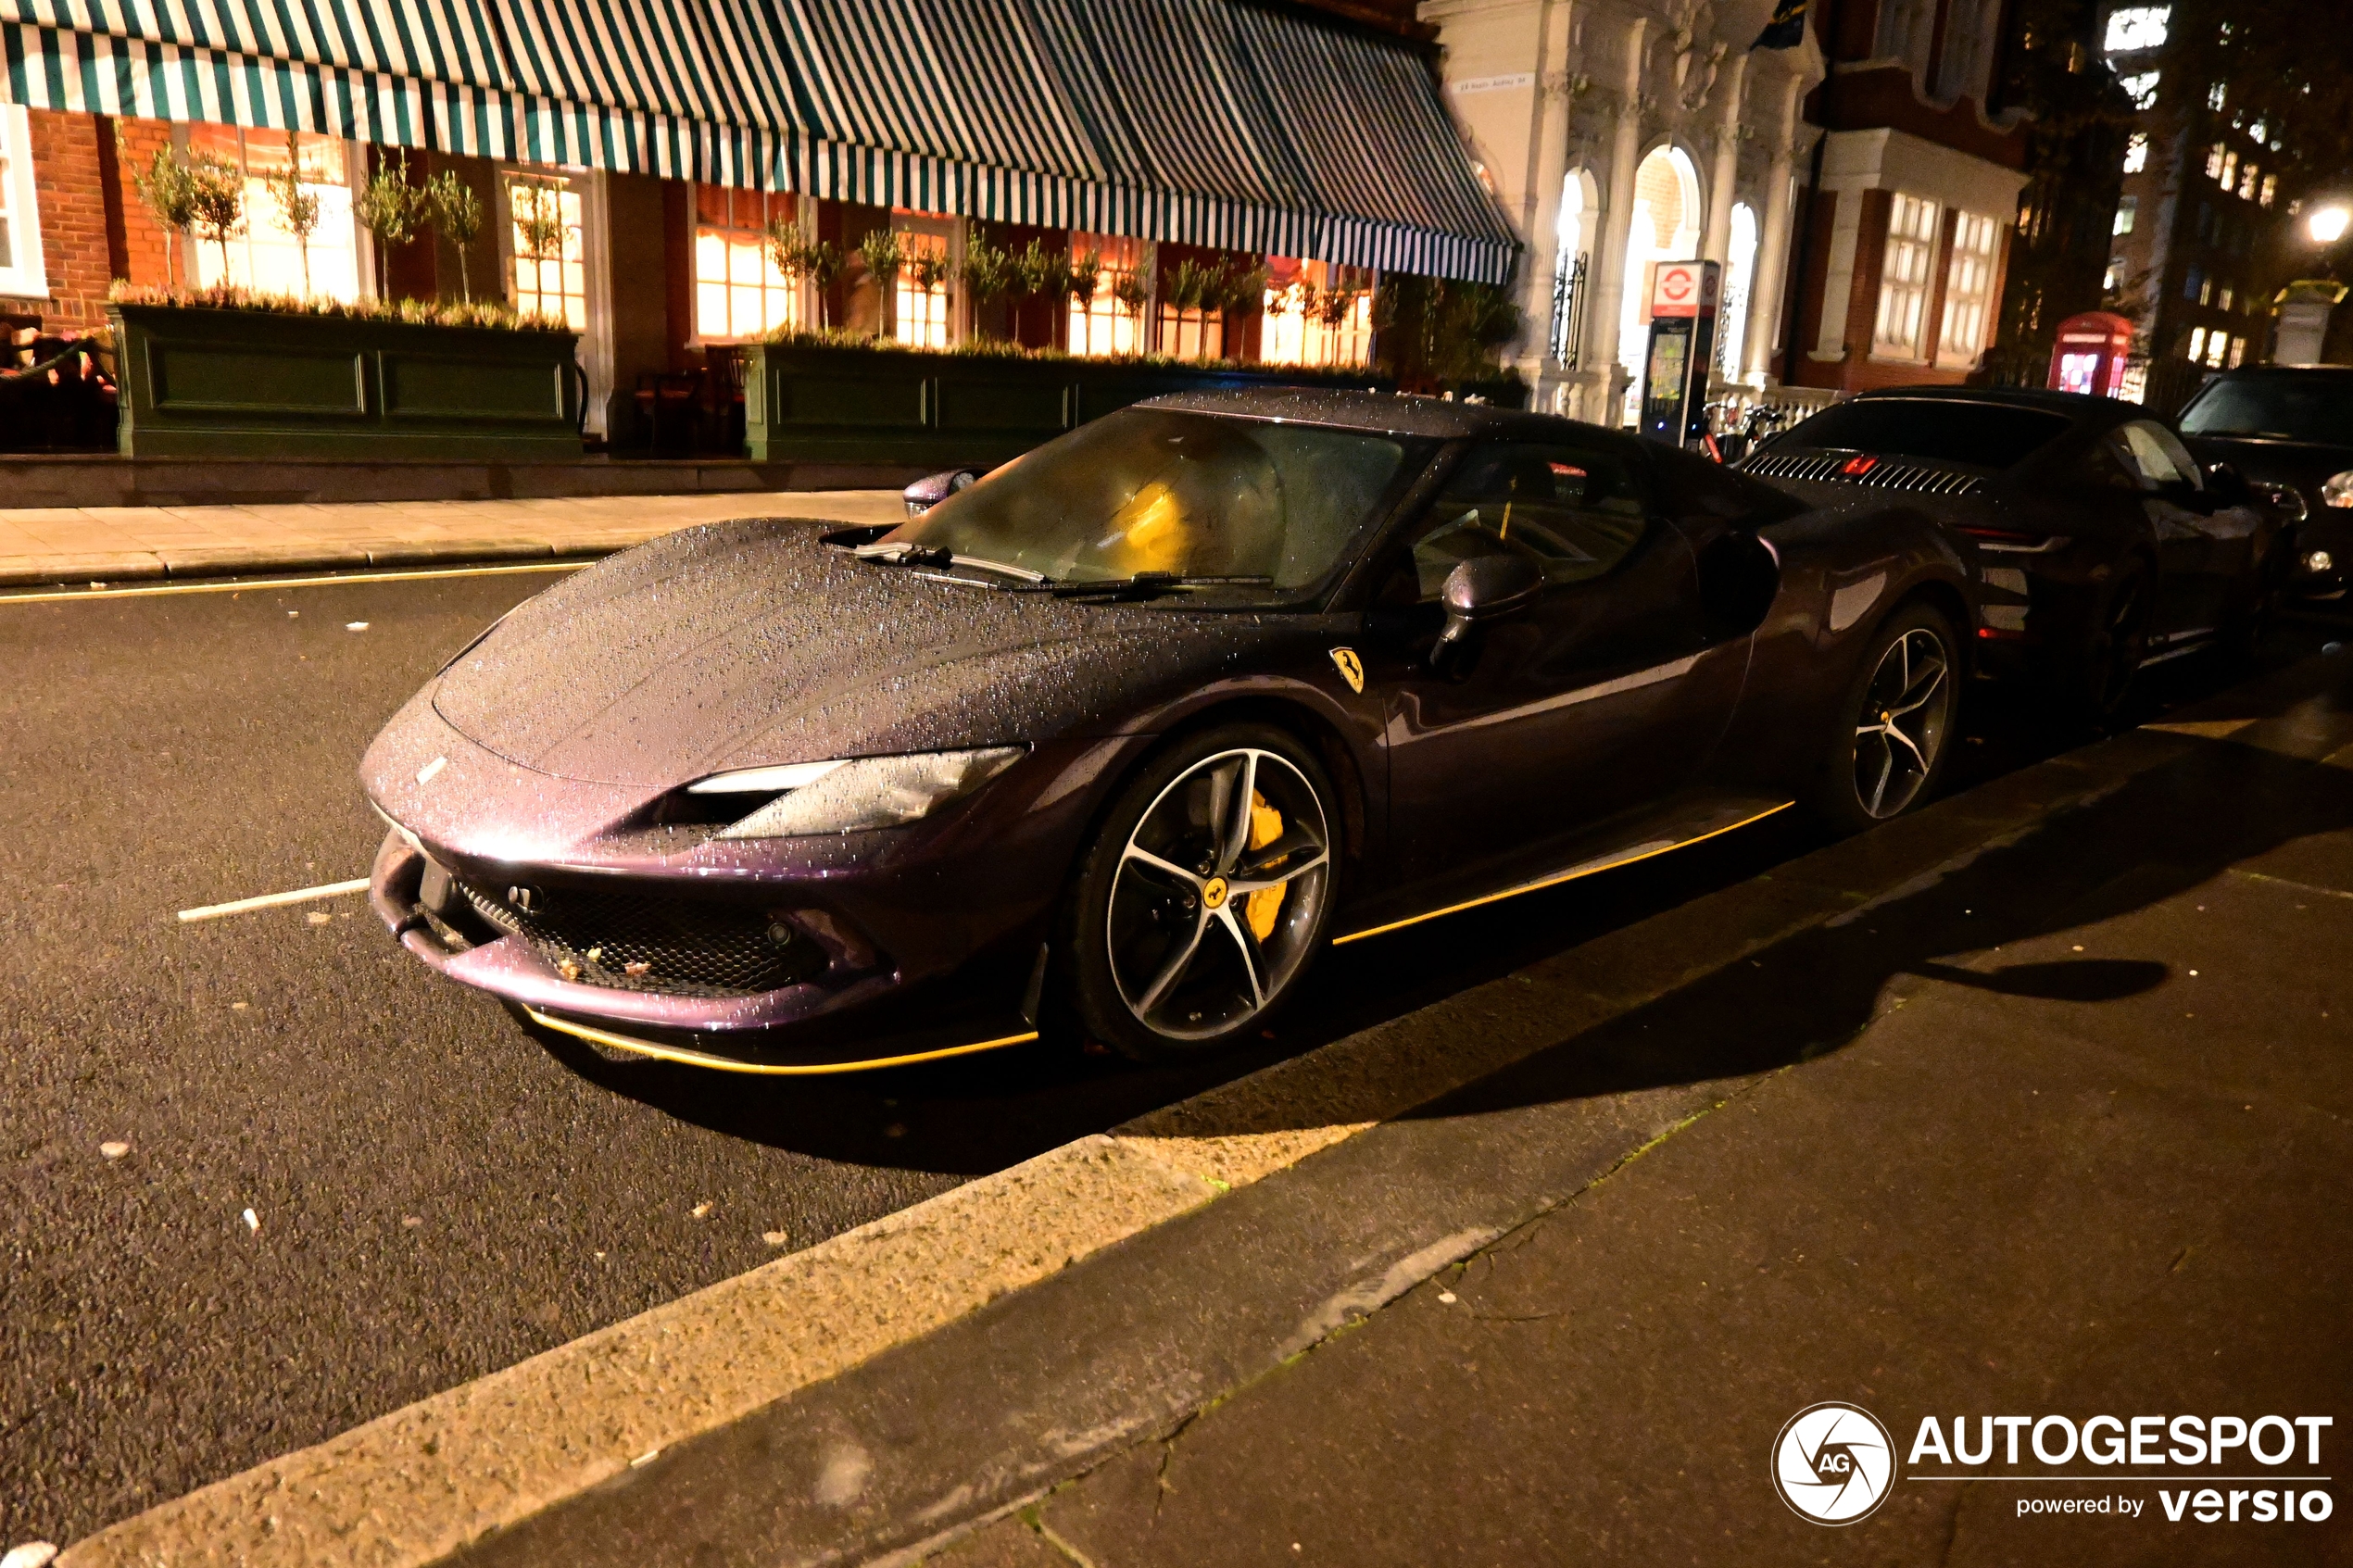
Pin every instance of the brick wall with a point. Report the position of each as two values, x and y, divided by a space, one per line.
71 196
142 255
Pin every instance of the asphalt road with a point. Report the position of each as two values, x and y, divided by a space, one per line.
434 1194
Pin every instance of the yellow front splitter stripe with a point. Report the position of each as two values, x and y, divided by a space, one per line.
726 1064
253 585
1591 869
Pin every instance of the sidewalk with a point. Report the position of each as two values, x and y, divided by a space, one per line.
2058 1128
72 544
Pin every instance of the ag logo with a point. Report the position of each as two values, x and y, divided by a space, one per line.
1351 669
1833 1463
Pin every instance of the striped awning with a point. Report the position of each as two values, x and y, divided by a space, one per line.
1211 122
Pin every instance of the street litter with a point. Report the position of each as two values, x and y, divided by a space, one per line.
411 1221
321 916
355 626
272 901
700 1209
775 1238
253 1220
111 1149
32 1554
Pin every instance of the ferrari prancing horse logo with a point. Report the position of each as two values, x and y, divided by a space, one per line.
1351 669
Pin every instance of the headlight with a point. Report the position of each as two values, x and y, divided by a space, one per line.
2337 490
854 793
2287 498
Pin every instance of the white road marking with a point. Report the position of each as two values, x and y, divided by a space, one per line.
274 900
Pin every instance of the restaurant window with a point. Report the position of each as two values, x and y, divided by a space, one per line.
1317 314
264 255
1903 290
1190 330
1968 289
21 271
738 293
922 300
1112 322
547 259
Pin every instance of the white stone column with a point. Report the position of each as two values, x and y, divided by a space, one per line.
1773 244
1716 239
1617 224
1548 167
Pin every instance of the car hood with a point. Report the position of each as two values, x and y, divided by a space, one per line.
2304 464
747 644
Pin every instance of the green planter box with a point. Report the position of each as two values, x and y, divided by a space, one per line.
248 384
934 410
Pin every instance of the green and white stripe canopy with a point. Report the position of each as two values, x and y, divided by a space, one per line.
1213 122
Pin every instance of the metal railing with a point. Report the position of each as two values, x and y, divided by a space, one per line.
1568 312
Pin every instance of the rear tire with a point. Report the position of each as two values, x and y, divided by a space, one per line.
1895 724
1205 896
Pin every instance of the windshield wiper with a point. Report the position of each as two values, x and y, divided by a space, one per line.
1142 583
907 554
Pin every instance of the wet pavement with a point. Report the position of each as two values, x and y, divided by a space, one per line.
433 1195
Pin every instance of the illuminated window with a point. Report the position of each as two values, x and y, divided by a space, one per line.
21 271
922 302
2137 27
1902 289
2115 274
2214 97
1968 289
2197 344
549 275
264 253
2238 352
2216 346
2141 89
1317 314
2247 182
2137 153
1189 332
2224 302
2271 188
2205 292
2126 210
738 293
1107 324
2230 168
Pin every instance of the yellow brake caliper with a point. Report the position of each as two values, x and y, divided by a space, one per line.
1261 907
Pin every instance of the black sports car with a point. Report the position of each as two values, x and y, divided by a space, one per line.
1126 732
2102 544
2289 430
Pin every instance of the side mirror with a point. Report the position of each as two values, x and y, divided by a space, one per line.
2226 485
1477 591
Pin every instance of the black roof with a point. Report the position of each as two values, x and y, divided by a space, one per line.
2073 404
1391 413
2285 372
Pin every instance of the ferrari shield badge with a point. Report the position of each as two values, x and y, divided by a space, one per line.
1351 669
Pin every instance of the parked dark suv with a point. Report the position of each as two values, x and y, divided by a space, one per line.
2289 431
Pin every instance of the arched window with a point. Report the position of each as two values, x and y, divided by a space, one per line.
1665 228
1740 277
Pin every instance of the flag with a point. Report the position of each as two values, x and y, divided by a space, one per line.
1787 30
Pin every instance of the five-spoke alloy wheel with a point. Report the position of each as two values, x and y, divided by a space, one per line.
1889 750
1205 895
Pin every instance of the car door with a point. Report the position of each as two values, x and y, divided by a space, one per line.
1574 709
2197 552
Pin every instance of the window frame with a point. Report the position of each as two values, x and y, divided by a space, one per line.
952 234
1980 299
796 291
201 252
1911 294
26 276
1397 554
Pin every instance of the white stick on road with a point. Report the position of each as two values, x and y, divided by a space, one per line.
272 901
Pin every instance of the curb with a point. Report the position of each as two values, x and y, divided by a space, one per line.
147 566
422 1483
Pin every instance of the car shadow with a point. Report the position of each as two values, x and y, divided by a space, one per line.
1801 997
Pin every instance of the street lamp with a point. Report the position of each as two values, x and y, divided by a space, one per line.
2328 225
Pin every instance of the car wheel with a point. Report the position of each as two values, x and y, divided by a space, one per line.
2109 646
1894 725
1204 896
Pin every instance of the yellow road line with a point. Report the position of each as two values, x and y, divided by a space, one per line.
261 583
274 900
725 1064
1584 871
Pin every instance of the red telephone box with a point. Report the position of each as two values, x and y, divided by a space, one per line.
2090 353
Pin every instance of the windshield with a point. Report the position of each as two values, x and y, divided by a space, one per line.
1990 435
2318 409
1159 490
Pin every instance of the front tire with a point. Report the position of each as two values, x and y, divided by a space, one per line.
1895 724
1205 895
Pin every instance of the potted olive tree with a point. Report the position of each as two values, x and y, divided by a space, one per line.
227 371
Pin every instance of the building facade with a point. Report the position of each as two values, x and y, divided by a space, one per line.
1235 176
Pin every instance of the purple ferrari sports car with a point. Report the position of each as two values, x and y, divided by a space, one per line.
1113 742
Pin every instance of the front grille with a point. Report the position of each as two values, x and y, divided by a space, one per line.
638 942
1885 475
